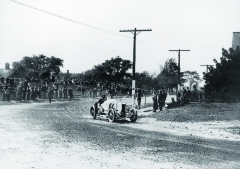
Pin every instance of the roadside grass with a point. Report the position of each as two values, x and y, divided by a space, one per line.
200 112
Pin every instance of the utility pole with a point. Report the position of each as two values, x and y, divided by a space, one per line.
207 67
135 32
178 64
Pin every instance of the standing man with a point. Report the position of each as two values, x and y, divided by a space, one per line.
28 92
160 99
25 85
155 104
50 94
6 93
188 95
70 93
19 92
164 97
184 95
60 92
139 97
178 96
64 91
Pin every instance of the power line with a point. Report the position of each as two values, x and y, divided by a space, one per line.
69 19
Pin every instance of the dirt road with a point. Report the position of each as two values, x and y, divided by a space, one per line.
63 135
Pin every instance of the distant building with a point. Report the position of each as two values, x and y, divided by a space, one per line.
6 71
236 40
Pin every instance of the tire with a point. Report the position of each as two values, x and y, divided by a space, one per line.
111 115
133 118
93 113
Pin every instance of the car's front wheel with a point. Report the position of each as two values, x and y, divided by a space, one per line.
111 115
93 113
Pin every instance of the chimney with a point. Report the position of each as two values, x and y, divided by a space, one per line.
7 66
236 40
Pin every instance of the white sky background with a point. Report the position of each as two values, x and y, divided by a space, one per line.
202 26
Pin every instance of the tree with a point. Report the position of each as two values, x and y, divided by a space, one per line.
191 77
112 71
168 74
226 74
143 80
36 68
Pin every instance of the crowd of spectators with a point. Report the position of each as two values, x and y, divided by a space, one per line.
25 90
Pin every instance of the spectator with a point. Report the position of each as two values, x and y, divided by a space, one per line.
28 92
164 97
139 97
50 94
184 95
6 94
38 93
70 93
19 92
178 96
64 91
155 106
188 95
55 90
44 91
172 104
160 99
60 93
25 85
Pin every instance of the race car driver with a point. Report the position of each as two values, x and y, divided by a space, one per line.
98 104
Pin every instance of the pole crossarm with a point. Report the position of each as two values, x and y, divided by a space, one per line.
178 50
132 30
207 67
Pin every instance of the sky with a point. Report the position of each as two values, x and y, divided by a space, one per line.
88 31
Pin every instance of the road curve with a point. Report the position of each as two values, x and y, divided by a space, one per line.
63 134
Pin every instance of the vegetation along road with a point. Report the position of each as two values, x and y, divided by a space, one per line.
63 135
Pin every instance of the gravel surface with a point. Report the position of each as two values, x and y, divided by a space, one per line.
63 135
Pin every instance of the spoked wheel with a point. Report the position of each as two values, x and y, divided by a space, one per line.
111 115
133 118
93 113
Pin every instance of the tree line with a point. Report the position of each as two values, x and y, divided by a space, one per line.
115 72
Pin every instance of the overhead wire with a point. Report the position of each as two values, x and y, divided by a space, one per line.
93 27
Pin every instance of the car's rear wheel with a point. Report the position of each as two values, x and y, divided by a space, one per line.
111 115
133 118
93 113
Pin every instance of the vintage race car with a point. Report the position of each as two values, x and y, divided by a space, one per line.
114 109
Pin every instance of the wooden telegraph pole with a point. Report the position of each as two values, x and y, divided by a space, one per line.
178 64
135 32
